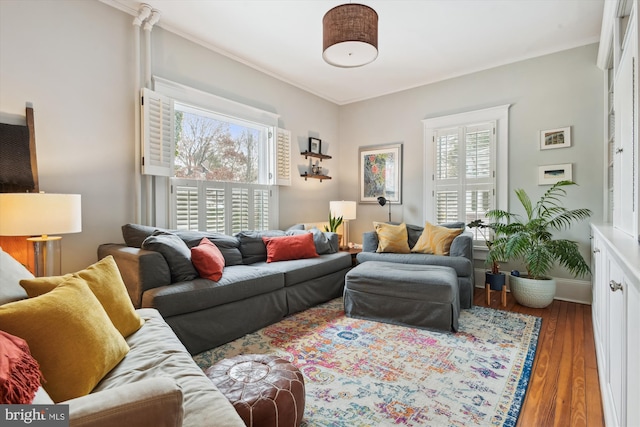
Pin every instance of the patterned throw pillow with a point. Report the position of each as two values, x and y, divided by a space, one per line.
392 238
436 239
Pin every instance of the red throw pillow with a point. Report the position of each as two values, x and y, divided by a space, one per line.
208 260
284 248
19 372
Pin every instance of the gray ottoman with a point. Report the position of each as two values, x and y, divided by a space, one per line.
421 296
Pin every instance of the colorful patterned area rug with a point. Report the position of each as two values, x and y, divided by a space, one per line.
363 373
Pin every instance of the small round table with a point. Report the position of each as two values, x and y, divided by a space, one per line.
265 390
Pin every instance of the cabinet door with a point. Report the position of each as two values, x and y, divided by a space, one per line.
633 353
624 197
616 358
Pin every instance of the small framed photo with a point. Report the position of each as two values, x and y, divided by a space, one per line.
550 174
315 145
555 138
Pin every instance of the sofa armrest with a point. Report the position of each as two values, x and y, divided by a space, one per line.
369 241
140 269
155 402
462 245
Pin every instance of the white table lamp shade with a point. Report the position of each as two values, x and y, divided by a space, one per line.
345 209
30 214
41 214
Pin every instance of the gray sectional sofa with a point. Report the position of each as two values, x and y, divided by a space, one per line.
250 295
460 257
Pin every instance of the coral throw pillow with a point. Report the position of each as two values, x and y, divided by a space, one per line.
436 239
290 247
69 334
392 238
106 283
208 260
19 371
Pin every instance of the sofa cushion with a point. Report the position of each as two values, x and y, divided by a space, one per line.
285 248
208 260
392 238
238 282
69 334
252 247
304 270
156 352
228 245
106 283
436 239
175 251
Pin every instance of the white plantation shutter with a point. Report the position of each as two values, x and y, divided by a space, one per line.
464 178
261 208
186 203
157 133
239 209
215 212
283 157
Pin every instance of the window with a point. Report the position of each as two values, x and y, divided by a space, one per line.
465 155
226 160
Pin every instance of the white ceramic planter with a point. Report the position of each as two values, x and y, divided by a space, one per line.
532 293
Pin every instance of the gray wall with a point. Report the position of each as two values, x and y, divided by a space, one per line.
74 61
558 90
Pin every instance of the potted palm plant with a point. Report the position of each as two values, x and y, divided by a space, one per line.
530 239
494 277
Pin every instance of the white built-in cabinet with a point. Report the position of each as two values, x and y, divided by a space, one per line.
615 268
615 262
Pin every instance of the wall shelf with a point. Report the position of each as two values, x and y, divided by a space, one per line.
320 177
316 155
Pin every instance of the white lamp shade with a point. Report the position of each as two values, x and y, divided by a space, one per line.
31 214
347 210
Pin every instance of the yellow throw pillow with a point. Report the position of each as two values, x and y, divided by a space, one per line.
69 334
436 239
106 283
392 238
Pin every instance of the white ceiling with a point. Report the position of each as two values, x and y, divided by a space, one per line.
420 41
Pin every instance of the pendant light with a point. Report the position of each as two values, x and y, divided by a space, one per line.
350 35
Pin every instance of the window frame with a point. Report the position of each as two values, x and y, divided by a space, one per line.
499 115
196 99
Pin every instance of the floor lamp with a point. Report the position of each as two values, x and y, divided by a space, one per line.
347 210
41 214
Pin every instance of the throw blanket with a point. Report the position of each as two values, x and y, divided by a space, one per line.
19 371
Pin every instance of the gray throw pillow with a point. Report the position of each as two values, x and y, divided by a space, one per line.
252 247
320 240
228 245
175 252
134 234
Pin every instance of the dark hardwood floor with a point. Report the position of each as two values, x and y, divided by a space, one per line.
564 389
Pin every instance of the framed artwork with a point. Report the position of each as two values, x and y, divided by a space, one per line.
555 138
315 145
550 174
380 173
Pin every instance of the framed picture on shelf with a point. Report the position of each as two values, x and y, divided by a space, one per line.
555 138
380 173
550 174
315 145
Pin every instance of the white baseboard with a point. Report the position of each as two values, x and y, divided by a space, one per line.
571 290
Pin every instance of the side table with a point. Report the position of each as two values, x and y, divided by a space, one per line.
353 252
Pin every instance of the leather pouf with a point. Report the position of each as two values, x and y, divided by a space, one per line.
265 390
